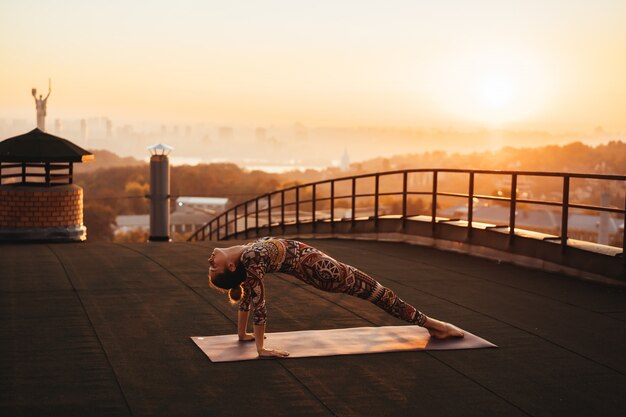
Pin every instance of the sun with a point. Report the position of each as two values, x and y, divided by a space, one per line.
490 87
496 91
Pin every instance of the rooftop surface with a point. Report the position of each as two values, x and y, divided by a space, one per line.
93 329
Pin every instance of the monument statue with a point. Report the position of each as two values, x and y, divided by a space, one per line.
40 105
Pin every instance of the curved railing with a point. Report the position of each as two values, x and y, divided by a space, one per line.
302 203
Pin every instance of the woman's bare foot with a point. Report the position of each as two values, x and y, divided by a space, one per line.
442 330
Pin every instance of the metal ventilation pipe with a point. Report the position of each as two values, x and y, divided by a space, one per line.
159 193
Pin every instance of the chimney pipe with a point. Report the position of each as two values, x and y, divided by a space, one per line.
159 193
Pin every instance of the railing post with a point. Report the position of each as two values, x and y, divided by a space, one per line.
332 204
269 213
218 227
236 207
245 220
282 210
565 212
376 183
23 172
433 210
470 205
624 237
513 208
226 235
353 200
404 198
203 234
298 208
211 230
256 216
313 207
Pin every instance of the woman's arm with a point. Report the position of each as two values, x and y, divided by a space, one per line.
242 326
259 336
256 262
259 317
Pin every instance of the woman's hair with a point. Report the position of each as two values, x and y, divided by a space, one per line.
230 281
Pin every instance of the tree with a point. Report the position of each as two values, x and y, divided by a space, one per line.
136 192
99 220
137 235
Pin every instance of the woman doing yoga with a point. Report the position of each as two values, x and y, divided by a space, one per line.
240 270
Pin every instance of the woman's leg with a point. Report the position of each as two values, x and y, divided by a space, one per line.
328 274
361 285
368 288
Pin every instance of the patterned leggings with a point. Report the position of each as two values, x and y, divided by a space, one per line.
328 274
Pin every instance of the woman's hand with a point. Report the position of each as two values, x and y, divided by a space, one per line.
268 353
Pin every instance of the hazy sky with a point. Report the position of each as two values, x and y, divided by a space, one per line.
556 65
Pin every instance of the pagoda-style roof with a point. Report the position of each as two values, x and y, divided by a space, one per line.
39 146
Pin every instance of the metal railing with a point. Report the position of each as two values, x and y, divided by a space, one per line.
228 223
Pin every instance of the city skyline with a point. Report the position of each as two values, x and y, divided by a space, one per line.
295 146
555 66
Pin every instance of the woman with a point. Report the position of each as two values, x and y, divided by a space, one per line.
240 270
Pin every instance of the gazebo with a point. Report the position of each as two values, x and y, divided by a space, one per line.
38 200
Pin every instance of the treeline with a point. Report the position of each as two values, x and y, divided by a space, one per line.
109 192
609 158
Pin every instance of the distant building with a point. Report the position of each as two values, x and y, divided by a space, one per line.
185 222
210 205
191 214
127 222
586 227
225 133
345 161
83 130
109 128
300 131
261 134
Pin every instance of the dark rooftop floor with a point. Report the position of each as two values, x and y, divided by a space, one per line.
103 329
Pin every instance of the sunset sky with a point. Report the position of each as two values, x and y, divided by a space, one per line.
553 65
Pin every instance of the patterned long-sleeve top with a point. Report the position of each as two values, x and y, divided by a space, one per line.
269 254
261 256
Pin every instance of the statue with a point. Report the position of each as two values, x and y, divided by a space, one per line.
40 105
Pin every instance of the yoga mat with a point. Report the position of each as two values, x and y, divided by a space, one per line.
357 340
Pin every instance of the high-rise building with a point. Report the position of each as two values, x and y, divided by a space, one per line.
83 131
300 131
225 133
109 127
345 161
260 134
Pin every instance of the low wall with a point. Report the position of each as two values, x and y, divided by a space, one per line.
580 259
